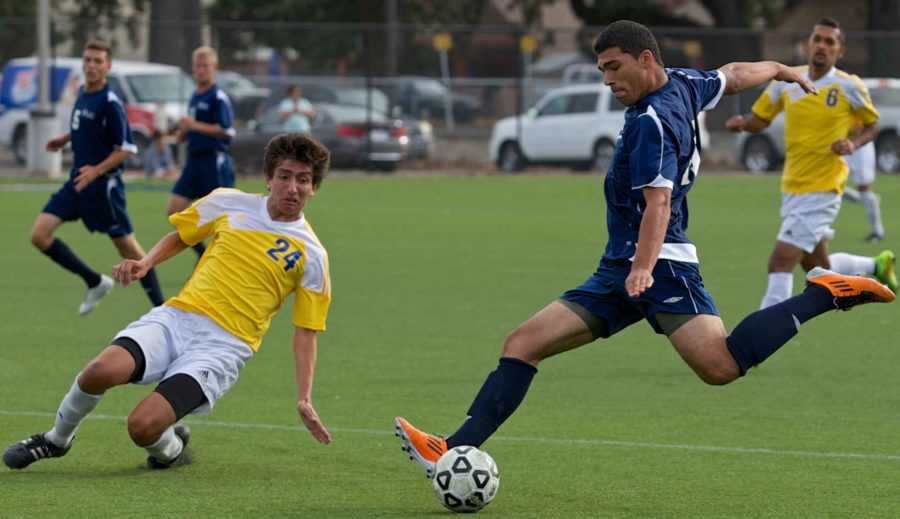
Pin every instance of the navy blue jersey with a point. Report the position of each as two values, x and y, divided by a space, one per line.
211 107
98 127
659 147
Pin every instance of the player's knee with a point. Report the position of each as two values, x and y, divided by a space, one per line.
41 240
719 374
97 377
144 428
518 345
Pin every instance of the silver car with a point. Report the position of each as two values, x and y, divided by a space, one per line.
764 151
356 139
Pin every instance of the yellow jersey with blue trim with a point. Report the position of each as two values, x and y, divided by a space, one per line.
252 265
812 123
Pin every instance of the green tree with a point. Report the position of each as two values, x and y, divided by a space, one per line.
77 22
323 33
719 46
17 35
884 15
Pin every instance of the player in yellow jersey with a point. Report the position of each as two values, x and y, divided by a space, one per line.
816 137
197 342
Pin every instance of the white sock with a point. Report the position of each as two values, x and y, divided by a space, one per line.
74 407
781 284
851 194
851 264
873 211
167 447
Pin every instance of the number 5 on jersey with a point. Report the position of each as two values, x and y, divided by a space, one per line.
280 253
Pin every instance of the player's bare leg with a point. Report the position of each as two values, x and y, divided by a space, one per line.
718 359
42 237
112 367
701 343
781 278
150 426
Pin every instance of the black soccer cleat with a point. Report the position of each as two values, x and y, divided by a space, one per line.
184 458
20 455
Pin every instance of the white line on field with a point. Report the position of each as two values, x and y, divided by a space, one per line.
557 441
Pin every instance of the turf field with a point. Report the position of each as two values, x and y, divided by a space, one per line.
429 274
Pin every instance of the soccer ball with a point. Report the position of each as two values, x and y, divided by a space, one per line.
465 479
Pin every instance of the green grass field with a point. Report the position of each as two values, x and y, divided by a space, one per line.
429 274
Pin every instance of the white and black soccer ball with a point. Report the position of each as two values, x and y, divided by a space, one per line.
465 479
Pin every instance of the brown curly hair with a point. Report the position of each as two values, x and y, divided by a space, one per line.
300 147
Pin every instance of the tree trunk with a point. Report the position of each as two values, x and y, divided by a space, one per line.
175 31
884 15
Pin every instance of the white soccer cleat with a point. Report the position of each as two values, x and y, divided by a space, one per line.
94 295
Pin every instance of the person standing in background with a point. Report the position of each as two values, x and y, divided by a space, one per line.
296 112
208 129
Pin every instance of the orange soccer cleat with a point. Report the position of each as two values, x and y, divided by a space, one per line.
422 447
850 291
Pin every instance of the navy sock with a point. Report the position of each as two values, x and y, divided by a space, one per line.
500 395
761 333
59 252
151 287
199 249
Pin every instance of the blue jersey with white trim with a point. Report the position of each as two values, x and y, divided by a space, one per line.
98 127
659 147
211 107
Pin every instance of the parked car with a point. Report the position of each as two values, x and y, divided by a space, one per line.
576 125
423 98
343 129
154 95
420 133
245 95
577 73
764 151
421 138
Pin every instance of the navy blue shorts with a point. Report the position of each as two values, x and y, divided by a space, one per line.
204 173
677 289
100 205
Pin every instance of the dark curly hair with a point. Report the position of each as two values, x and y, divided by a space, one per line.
300 147
631 37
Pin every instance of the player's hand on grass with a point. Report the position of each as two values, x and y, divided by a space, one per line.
129 270
86 175
638 281
311 421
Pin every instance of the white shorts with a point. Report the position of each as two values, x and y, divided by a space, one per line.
806 218
862 165
175 341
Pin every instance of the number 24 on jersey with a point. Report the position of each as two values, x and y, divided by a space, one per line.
280 253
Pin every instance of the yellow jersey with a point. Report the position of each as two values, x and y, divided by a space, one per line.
812 123
251 266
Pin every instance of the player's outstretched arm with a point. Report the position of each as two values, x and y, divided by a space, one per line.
305 365
740 76
650 239
130 270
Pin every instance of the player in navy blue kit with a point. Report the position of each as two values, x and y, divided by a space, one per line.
649 270
101 140
208 129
